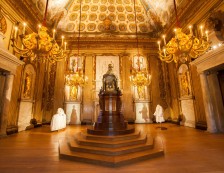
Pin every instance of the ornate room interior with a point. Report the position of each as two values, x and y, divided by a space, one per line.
54 53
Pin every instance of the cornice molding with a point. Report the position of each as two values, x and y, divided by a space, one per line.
193 13
22 10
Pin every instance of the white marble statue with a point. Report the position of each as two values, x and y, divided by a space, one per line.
159 114
58 120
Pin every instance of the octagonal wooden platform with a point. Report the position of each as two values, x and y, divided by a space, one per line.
110 150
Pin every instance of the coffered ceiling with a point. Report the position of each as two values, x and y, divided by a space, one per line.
108 16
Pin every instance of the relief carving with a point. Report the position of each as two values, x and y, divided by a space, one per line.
216 23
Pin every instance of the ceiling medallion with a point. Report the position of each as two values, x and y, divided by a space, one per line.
126 1
92 17
131 17
132 27
103 1
128 8
70 27
121 17
82 27
120 8
85 8
102 16
73 16
143 28
101 27
111 1
91 26
119 1
103 8
122 27
83 17
94 8
138 9
111 8
140 18
76 8
113 27
112 16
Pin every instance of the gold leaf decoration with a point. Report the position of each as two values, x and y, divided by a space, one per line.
94 8
91 26
92 17
121 17
111 8
73 16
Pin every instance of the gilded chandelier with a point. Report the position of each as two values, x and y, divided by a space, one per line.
139 76
76 78
183 47
39 46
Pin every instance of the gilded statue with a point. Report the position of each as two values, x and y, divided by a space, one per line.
73 92
27 86
184 85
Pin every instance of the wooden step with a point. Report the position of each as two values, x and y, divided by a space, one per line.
91 130
66 153
74 146
110 144
110 138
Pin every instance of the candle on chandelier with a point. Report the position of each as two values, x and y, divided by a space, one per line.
164 39
175 31
24 28
164 51
65 45
206 32
39 26
54 33
201 31
159 45
62 40
190 27
15 32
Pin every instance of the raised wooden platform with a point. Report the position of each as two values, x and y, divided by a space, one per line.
110 150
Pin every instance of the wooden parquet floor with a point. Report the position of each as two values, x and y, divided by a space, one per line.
187 150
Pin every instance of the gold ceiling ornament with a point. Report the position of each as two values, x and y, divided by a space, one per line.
39 46
75 78
139 75
183 47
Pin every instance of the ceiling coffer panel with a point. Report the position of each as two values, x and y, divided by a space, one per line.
108 15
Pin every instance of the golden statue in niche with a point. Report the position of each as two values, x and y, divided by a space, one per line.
73 92
184 84
27 86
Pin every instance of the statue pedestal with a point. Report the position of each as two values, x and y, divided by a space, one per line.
110 120
142 111
187 106
73 112
25 114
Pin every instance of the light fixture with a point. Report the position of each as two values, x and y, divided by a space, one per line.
183 47
139 74
75 78
39 46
